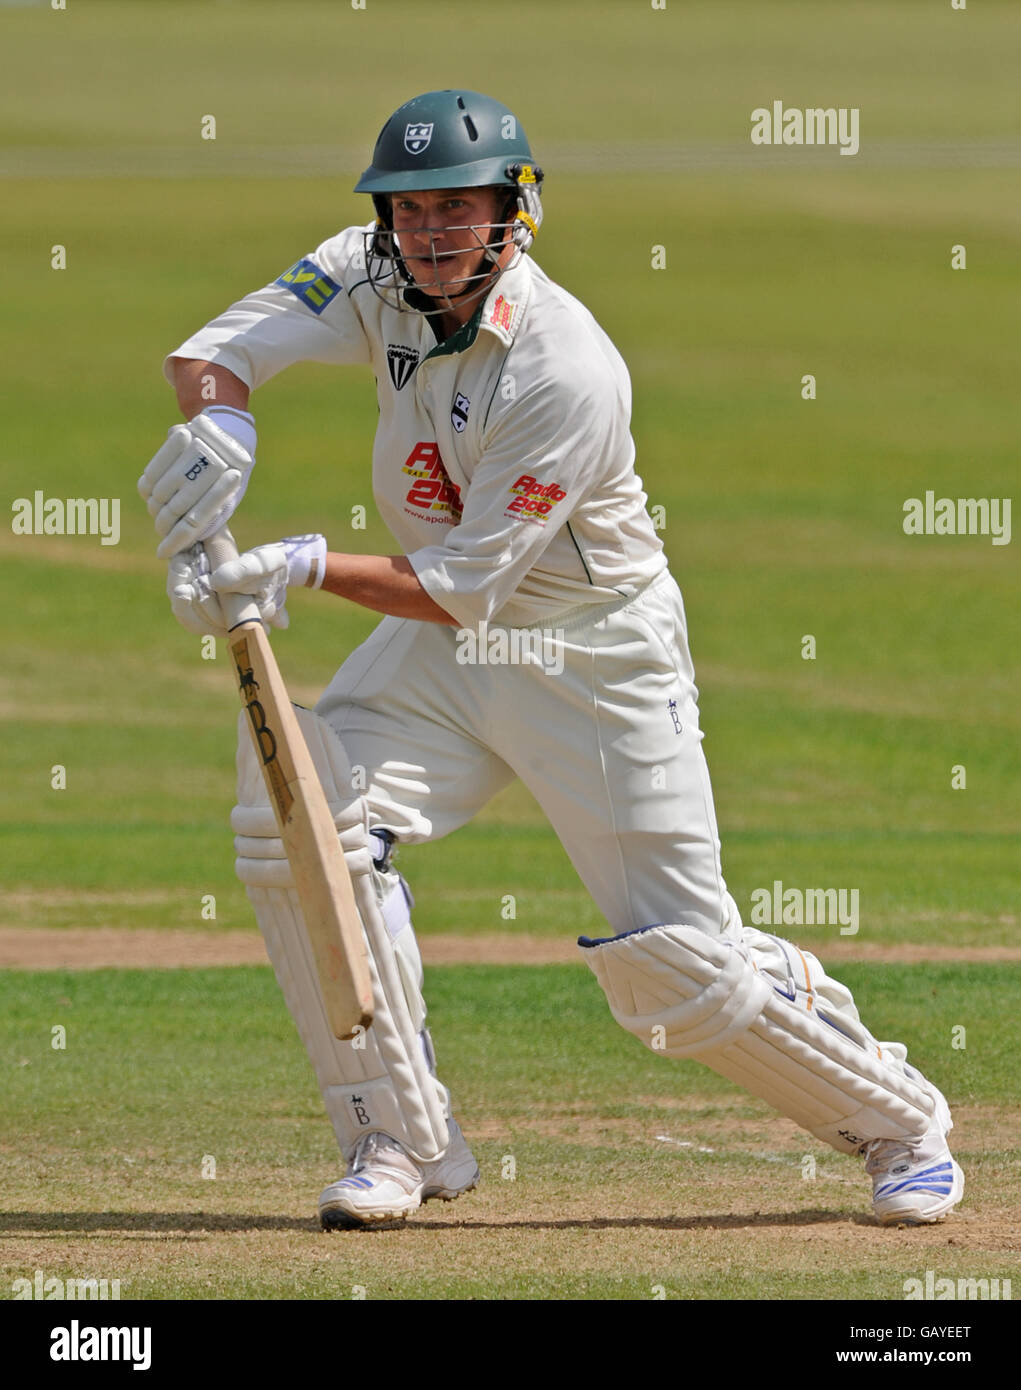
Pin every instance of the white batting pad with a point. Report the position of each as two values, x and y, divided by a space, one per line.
687 994
383 1079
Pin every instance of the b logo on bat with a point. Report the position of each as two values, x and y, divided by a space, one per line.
264 737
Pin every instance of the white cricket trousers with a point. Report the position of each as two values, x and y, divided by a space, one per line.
609 746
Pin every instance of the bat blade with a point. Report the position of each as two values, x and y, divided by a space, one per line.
318 867
307 831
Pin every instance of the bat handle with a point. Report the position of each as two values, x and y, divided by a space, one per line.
238 608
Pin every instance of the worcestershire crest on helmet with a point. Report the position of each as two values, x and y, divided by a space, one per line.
417 137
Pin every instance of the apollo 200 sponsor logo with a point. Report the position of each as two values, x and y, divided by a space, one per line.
503 313
532 500
432 495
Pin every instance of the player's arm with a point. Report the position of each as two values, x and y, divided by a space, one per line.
196 480
384 583
199 384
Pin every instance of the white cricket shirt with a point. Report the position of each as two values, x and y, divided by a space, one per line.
503 462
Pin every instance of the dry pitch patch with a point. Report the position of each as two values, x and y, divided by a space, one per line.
57 948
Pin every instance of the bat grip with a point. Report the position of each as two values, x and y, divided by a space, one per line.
238 608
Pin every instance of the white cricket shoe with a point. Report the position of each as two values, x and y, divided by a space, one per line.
384 1183
915 1181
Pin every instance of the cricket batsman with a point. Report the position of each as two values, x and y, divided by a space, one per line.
503 467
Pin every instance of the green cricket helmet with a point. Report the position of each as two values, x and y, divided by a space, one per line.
450 139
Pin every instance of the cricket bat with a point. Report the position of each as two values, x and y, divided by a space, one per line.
309 836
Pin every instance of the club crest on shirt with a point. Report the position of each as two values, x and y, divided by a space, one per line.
417 137
459 413
402 361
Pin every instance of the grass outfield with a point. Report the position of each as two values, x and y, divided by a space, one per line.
606 1171
781 517
778 523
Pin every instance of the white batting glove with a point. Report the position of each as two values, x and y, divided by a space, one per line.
263 573
193 484
192 600
267 571
196 605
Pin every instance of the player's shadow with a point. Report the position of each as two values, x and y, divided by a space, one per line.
202 1223
195 1222
728 1221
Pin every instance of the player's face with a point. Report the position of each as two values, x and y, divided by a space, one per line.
442 233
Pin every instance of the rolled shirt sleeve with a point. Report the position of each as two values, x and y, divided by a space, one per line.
305 315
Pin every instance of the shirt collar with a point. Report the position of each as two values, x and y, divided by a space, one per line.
506 302
500 313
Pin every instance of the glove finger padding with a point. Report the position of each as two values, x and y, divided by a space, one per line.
209 514
261 573
194 597
264 566
194 482
192 601
162 461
